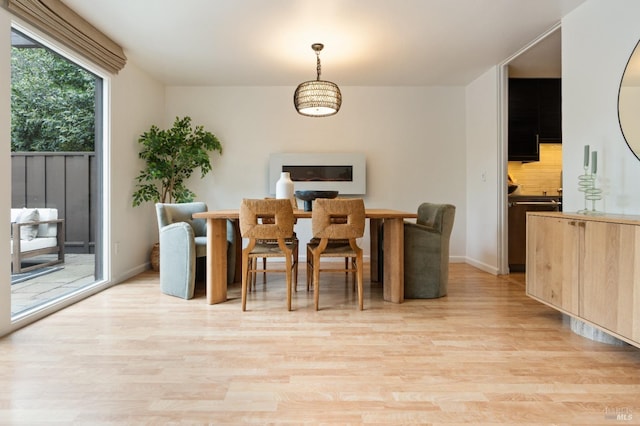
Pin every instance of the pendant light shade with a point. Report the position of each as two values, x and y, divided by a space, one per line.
317 98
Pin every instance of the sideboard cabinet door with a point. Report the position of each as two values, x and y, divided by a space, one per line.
611 270
552 271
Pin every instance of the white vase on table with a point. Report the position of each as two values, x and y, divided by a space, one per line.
284 186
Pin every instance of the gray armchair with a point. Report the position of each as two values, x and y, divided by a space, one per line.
426 251
182 240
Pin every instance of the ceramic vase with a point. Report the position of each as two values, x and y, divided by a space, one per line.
284 186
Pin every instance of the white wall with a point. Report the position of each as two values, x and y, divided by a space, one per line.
482 172
137 102
413 139
597 40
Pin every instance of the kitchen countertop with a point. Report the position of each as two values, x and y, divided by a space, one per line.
524 197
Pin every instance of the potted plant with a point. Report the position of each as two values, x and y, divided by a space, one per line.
171 157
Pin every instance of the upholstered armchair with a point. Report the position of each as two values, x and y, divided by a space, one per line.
182 240
426 251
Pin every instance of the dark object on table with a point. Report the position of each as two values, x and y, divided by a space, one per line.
309 196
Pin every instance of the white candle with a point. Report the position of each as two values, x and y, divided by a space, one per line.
594 162
586 156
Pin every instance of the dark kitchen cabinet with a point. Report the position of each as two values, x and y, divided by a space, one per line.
535 116
519 205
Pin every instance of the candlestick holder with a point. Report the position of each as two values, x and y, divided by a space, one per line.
593 194
587 184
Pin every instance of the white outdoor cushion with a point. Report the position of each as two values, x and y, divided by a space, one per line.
51 229
28 232
36 243
46 230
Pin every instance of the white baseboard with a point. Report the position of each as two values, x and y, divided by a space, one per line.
482 266
130 273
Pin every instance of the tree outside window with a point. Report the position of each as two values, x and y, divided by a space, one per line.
52 102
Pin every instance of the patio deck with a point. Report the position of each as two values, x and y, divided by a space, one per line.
77 271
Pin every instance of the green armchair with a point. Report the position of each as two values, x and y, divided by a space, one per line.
426 251
182 240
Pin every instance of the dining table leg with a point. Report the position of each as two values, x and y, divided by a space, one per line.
393 260
375 225
216 261
237 276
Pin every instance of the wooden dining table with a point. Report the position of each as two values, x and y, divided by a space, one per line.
390 270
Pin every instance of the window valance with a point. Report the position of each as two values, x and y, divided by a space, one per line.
60 22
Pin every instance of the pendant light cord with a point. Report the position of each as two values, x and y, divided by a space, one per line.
318 65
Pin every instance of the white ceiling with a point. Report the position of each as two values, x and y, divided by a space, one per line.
542 60
367 42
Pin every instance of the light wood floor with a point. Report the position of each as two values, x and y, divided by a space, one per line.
485 354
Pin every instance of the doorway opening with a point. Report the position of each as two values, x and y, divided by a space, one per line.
531 176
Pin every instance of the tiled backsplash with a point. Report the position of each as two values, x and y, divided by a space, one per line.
542 176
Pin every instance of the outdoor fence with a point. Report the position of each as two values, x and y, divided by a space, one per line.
62 180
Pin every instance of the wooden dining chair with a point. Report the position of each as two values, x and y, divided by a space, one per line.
278 225
315 241
293 241
333 220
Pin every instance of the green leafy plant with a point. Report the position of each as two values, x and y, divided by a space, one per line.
52 102
172 156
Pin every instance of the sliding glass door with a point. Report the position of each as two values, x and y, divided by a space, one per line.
56 169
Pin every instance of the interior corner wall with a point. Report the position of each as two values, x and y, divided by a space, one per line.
412 137
137 102
597 40
482 172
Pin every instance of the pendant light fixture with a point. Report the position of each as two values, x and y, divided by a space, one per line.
317 98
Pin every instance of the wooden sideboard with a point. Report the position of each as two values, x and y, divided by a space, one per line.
587 267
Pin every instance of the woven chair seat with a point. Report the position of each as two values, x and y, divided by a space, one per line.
334 249
331 242
270 249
